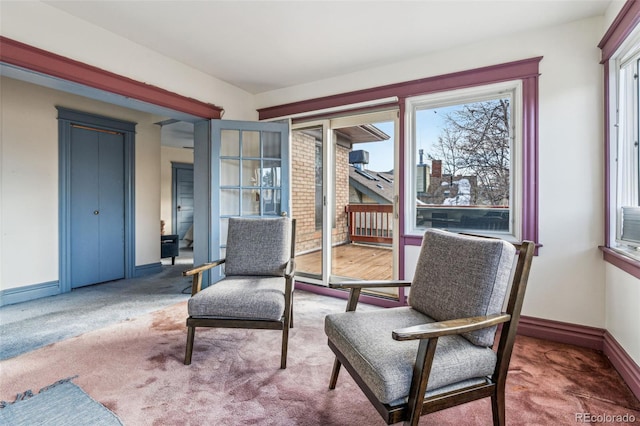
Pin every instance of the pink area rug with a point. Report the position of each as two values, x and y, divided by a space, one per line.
135 369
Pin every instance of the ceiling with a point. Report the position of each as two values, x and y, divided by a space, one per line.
261 46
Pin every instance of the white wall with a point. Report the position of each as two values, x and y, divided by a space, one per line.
623 315
28 187
611 13
567 282
29 180
48 28
169 155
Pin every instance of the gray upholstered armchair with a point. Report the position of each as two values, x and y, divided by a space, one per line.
439 351
257 290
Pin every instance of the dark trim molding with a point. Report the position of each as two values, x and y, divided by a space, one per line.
621 27
31 58
24 294
623 363
492 74
587 337
556 331
621 261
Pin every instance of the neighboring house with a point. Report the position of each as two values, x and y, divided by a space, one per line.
575 293
370 187
444 189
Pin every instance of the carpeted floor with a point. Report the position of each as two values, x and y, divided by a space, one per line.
37 323
135 369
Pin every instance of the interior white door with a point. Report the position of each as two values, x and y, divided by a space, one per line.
248 169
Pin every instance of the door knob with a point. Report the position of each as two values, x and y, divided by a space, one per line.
96 212
179 208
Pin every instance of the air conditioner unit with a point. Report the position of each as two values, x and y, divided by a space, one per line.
631 225
359 157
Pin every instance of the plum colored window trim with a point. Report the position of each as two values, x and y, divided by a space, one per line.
621 27
626 263
628 18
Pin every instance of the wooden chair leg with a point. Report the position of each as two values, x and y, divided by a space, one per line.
498 407
191 331
285 345
334 374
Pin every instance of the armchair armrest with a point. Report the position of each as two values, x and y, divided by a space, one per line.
289 270
203 267
445 328
196 284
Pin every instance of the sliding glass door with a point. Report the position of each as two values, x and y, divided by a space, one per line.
344 197
308 144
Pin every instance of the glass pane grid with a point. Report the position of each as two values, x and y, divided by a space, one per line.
254 180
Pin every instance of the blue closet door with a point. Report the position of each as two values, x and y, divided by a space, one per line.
97 206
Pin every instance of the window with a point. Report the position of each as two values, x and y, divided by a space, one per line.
523 169
624 190
466 160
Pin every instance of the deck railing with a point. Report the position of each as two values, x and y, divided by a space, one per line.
370 223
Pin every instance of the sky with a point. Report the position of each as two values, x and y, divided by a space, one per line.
380 153
429 124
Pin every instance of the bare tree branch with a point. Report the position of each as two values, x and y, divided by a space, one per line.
476 142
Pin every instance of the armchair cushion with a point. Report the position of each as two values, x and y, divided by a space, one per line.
241 297
386 365
258 246
462 276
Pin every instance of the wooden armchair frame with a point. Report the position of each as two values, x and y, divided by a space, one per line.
283 324
428 335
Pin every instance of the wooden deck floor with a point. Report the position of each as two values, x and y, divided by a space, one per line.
353 261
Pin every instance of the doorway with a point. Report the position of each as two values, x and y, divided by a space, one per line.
241 169
344 186
96 193
182 201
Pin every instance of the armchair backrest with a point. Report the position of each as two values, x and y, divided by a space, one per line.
258 246
459 276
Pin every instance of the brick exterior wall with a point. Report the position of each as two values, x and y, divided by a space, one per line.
340 232
303 152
